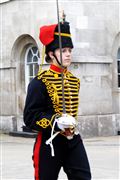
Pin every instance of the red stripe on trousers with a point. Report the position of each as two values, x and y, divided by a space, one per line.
37 155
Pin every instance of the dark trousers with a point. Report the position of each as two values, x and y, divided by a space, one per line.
69 154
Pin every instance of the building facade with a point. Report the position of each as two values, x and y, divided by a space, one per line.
95 29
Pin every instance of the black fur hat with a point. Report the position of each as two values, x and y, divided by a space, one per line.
49 36
65 38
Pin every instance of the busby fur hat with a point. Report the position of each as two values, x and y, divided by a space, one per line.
49 37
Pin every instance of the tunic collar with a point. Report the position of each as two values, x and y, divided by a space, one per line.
57 69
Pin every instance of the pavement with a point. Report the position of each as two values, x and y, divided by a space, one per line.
16 162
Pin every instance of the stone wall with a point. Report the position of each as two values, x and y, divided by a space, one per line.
99 125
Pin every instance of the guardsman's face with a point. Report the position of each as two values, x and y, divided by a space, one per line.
66 56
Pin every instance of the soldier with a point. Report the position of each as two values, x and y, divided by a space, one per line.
43 112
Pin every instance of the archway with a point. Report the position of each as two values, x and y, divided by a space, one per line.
18 54
115 84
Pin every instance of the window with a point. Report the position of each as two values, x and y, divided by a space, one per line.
31 64
118 67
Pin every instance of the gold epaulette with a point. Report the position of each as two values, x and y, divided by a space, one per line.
41 73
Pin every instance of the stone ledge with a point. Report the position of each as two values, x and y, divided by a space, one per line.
23 134
99 125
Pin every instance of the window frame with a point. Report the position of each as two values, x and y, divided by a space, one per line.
27 65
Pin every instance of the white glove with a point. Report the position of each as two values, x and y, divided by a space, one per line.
66 121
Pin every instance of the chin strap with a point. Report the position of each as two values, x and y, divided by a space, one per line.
57 60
